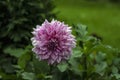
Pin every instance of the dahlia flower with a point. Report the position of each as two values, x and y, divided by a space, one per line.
53 41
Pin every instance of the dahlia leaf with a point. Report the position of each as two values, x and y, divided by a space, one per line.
100 68
23 60
16 52
76 54
28 76
40 66
62 66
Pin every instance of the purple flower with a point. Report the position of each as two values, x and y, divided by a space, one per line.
53 41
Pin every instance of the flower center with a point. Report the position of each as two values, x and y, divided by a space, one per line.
52 45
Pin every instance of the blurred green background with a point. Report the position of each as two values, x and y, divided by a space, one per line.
101 16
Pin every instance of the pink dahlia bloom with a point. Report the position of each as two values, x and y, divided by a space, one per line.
53 41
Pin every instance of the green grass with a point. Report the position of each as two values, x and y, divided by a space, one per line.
101 18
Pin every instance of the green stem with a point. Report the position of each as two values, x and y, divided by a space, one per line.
85 74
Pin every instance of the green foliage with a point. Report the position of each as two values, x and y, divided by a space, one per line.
90 60
28 76
17 52
62 67
17 19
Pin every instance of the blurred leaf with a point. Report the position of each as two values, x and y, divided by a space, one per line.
91 43
23 60
28 76
62 66
100 68
16 52
82 31
100 56
116 61
117 76
76 53
5 76
48 77
40 76
40 66
75 66
8 67
114 70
